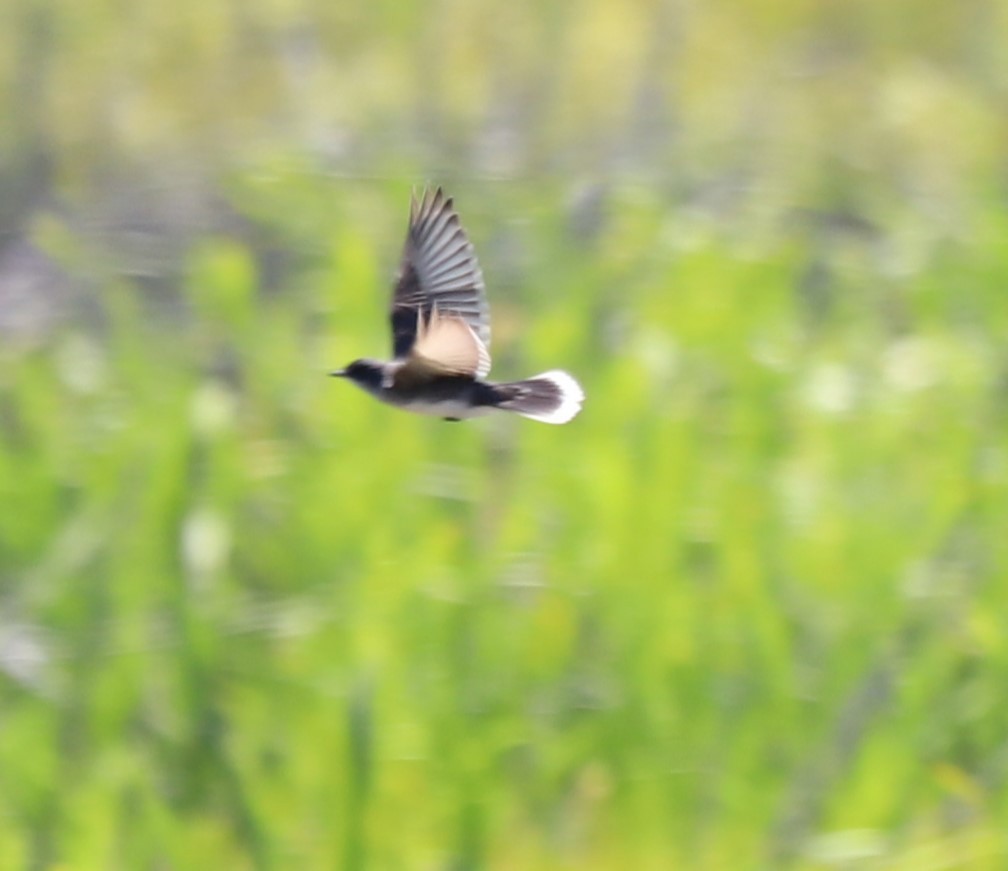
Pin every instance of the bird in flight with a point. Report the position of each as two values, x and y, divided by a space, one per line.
441 333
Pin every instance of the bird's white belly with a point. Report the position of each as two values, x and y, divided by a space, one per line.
446 408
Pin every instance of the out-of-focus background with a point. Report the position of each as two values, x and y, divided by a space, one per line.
746 612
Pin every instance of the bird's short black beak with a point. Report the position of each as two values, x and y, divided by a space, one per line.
339 373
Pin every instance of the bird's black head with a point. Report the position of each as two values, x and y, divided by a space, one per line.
366 373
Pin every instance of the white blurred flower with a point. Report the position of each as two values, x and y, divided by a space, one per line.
24 654
206 542
910 364
213 408
843 848
829 388
657 352
81 364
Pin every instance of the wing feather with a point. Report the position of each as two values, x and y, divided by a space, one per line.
439 271
447 345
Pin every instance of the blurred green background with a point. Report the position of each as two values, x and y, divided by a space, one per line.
746 612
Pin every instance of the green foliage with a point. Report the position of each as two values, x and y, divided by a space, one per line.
743 613
743 602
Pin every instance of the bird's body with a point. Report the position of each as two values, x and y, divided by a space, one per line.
453 397
441 330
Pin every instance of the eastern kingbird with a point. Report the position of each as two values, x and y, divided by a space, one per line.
441 331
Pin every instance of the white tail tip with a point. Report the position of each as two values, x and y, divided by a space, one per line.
571 397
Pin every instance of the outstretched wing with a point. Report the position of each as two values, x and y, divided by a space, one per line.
439 270
446 345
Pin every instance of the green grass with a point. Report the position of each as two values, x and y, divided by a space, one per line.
745 612
747 603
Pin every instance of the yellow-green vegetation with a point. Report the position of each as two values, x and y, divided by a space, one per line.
746 612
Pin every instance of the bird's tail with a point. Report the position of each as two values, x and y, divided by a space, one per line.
552 397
